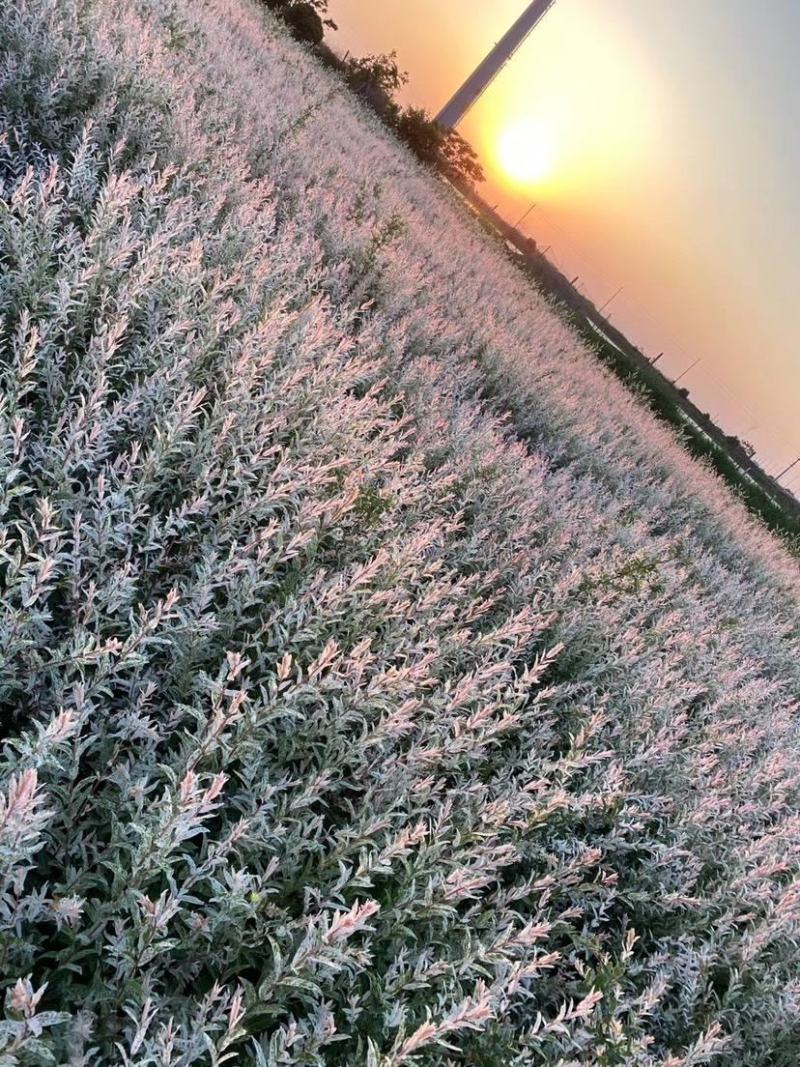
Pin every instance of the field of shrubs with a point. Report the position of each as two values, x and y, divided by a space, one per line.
380 684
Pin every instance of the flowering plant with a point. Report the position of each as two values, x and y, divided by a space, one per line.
380 684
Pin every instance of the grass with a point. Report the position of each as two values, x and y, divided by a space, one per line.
380 682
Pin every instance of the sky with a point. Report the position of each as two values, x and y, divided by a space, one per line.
662 143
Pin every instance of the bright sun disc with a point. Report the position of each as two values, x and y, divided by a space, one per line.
525 151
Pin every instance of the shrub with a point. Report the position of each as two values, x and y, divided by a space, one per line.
305 23
368 695
303 17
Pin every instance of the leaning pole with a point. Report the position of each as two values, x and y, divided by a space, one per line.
485 73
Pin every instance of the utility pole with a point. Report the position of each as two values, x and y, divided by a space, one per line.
693 365
787 469
614 297
654 361
523 217
486 71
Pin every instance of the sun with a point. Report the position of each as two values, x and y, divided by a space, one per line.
525 151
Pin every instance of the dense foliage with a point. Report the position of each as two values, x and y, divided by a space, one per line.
376 79
380 684
303 19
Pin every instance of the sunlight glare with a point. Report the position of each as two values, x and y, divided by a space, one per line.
525 151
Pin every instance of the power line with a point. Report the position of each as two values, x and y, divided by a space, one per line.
614 297
680 376
787 469
525 215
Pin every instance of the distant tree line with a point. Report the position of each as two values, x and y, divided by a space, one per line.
376 80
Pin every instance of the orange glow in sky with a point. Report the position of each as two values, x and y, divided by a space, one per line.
658 142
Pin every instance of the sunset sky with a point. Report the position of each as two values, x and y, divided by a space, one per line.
666 139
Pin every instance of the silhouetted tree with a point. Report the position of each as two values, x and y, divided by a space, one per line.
736 442
381 71
421 134
376 79
459 159
438 146
304 23
304 18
